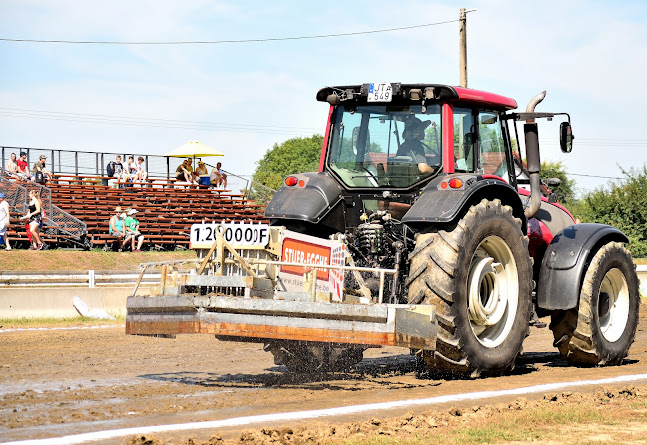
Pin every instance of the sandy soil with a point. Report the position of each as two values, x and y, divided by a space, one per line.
62 382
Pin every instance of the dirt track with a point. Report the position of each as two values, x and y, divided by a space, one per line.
63 382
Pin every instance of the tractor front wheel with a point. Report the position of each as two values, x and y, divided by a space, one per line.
478 276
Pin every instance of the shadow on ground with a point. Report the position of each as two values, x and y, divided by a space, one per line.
393 371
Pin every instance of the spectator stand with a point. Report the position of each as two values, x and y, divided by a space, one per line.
167 207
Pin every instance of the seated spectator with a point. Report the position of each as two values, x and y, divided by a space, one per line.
115 168
218 176
117 227
201 169
23 168
184 172
141 175
41 175
132 230
130 171
12 167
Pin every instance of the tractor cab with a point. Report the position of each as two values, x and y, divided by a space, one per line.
402 136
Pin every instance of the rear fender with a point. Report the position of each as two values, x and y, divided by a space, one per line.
443 205
311 200
565 262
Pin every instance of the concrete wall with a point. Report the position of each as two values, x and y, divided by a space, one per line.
38 302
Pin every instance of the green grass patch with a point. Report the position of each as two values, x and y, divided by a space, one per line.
50 322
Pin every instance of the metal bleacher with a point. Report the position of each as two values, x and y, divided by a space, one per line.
78 205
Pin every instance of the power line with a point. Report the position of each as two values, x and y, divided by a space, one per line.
218 42
152 122
593 176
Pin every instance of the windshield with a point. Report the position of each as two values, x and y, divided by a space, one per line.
385 145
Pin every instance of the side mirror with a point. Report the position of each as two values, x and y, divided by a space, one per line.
566 137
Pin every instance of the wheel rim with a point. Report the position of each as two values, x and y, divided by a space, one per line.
493 291
613 305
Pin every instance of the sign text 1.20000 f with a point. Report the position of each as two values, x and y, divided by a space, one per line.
235 234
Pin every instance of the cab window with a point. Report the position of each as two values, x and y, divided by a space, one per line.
464 140
491 145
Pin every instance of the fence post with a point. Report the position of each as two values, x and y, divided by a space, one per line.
76 163
91 278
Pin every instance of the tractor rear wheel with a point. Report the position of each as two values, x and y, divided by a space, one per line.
304 357
602 328
479 278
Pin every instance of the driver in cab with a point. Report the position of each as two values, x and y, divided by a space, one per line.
413 134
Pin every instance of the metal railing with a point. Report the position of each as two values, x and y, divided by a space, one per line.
75 278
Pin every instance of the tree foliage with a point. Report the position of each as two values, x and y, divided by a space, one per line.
566 190
296 155
622 205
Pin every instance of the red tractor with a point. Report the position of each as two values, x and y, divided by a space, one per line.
418 182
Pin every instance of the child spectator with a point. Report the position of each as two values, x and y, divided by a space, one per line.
115 168
132 229
4 220
140 173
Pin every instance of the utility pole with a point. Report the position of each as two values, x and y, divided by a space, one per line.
462 45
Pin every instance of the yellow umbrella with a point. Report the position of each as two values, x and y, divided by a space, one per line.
193 149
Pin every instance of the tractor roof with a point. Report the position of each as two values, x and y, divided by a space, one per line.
418 92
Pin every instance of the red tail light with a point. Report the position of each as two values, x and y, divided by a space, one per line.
291 181
455 183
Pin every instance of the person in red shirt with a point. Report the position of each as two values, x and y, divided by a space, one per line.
23 168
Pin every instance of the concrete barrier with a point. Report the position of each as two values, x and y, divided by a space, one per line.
41 302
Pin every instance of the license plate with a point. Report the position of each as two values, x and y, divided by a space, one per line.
380 92
239 235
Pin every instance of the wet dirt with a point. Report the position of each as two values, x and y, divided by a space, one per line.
57 383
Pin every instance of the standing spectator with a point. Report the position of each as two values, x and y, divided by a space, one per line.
35 217
140 173
132 228
12 167
4 220
41 175
23 168
218 176
183 173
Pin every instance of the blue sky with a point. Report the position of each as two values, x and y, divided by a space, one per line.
588 55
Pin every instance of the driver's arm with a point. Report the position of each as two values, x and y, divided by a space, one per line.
424 168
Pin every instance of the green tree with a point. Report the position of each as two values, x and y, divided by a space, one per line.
566 190
622 205
296 155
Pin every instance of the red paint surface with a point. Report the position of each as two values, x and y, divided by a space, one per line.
484 97
448 138
322 159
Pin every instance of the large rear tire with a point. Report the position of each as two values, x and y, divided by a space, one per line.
479 278
603 326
